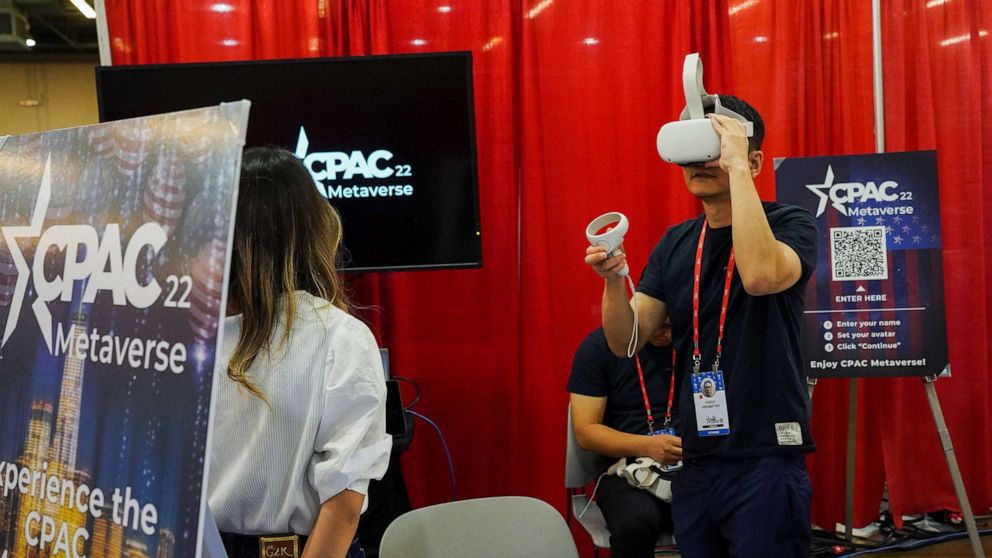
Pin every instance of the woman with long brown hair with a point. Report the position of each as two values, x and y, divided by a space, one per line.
299 427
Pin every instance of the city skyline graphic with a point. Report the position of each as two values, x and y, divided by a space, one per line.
70 409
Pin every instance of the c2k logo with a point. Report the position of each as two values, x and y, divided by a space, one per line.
843 193
326 166
97 254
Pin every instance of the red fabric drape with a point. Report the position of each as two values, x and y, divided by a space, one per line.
569 96
808 68
938 95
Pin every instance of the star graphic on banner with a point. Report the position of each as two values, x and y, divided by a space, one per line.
888 230
879 221
822 191
861 221
897 219
916 239
906 228
23 271
933 238
925 228
916 218
897 239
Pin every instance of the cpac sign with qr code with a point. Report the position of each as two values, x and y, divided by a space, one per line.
875 303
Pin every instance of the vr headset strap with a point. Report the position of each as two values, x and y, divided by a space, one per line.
692 84
696 99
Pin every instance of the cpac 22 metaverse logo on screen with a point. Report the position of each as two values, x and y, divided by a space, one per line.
106 265
334 172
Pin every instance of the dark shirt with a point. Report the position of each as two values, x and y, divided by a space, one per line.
597 372
763 373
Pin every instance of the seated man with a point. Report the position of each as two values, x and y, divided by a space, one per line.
610 417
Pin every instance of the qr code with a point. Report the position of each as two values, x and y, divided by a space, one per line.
858 253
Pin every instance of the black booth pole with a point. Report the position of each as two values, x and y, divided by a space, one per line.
852 437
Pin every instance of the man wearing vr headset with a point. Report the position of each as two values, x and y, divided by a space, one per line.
614 418
732 283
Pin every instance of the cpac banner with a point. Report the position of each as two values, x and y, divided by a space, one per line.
875 306
112 280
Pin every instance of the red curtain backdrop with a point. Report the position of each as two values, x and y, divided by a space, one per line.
808 67
938 95
569 96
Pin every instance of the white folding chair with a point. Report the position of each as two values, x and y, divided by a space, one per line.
481 528
580 470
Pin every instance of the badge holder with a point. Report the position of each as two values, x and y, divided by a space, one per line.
666 427
709 396
668 468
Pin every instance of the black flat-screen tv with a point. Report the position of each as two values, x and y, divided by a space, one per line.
389 141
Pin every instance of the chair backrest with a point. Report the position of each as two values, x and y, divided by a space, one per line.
481 528
581 466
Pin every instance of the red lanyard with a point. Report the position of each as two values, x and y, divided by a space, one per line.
647 403
696 355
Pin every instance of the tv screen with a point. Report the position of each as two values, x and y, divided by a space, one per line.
389 141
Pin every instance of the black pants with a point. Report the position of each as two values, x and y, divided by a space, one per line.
743 508
246 546
636 518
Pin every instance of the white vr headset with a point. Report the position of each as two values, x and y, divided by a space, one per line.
692 138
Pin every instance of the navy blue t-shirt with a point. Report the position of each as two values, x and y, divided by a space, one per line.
597 372
763 373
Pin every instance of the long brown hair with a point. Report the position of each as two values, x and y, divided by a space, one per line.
286 238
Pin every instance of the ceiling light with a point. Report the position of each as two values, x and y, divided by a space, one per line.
30 42
229 42
418 42
84 8
734 10
444 9
222 8
955 40
590 41
538 8
491 43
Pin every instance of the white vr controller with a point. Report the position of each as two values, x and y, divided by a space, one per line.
610 239
692 138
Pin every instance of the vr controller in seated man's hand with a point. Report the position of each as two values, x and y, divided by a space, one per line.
692 138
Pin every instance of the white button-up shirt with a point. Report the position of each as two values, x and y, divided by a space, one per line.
270 469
